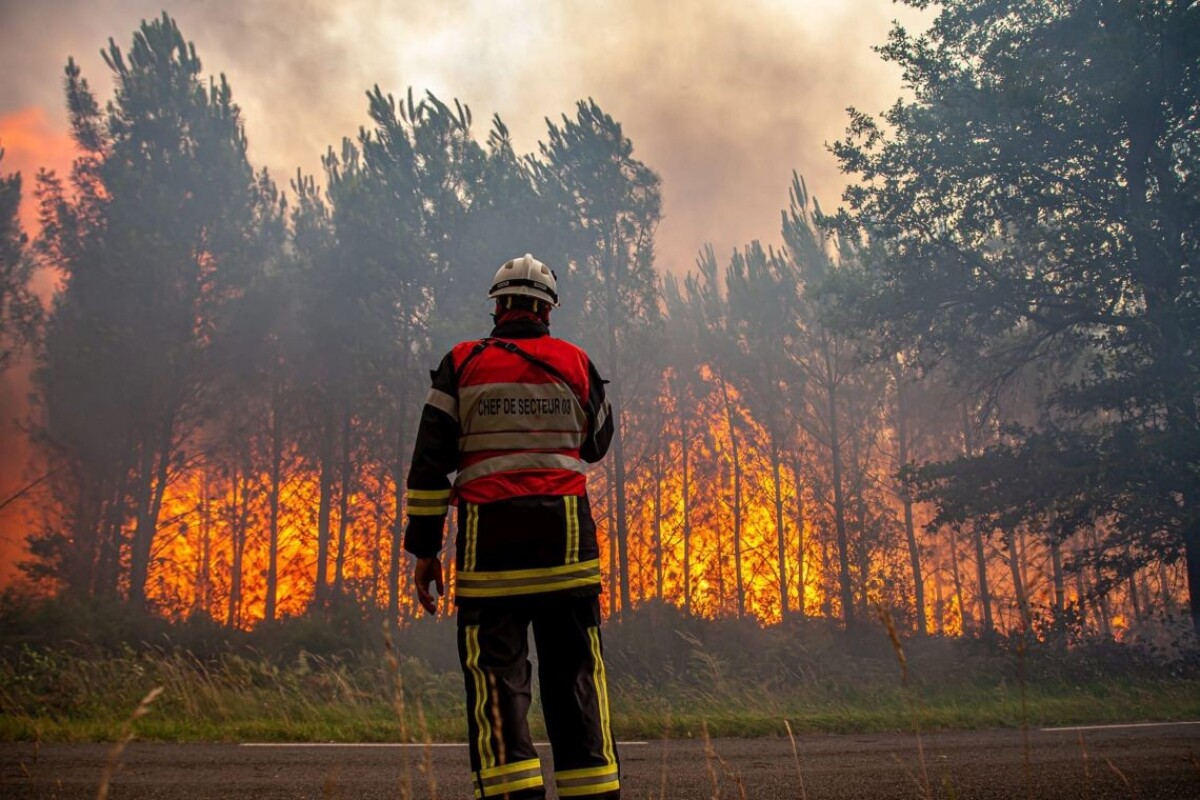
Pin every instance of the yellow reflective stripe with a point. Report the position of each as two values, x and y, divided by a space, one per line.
503 789
531 588
600 680
428 511
501 780
571 507
486 757
537 572
428 502
601 771
499 789
471 544
594 788
509 769
428 494
527 581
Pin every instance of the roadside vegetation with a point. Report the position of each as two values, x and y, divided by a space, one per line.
73 674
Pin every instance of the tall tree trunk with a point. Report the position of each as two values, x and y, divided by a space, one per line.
614 574
324 511
737 497
939 599
1191 541
687 511
985 596
839 501
1164 591
109 570
658 514
1103 612
241 520
827 589
615 388
139 556
956 574
377 546
1080 588
801 544
235 561
864 539
780 530
153 484
621 530
1014 566
204 568
910 532
276 486
1060 584
1134 600
981 576
347 485
397 540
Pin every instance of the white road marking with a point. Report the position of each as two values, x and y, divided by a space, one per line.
391 744
1124 725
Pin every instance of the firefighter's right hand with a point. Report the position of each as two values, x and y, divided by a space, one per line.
428 570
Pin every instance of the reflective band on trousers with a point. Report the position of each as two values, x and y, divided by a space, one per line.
518 461
587 781
527 581
487 757
500 781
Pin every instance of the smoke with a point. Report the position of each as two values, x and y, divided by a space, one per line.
723 99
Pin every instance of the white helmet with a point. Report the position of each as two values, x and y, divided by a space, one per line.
528 277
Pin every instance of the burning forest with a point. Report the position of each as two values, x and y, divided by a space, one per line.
969 398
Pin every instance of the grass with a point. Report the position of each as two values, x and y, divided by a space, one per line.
68 674
62 697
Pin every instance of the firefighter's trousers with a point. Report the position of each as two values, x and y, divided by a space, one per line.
493 649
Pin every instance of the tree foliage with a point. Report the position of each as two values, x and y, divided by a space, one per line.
1039 202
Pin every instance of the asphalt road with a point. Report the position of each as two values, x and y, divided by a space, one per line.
1160 762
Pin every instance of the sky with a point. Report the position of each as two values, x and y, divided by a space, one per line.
722 98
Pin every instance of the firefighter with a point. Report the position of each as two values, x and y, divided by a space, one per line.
517 416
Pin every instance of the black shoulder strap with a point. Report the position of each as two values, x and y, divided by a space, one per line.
544 366
480 346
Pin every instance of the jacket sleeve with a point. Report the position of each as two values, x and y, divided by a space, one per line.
435 456
599 417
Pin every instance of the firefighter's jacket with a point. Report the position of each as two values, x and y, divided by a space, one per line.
516 417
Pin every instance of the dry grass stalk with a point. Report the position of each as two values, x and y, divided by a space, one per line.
427 753
925 795
1028 764
1087 767
393 661
329 787
127 734
731 773
710 756
662 785
1121 775
889 624
796 756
